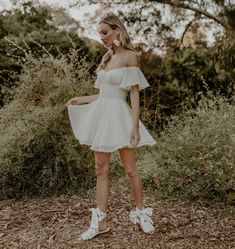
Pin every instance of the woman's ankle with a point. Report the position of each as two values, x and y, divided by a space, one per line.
103 224
139 207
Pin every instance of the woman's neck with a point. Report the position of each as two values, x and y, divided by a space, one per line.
118 50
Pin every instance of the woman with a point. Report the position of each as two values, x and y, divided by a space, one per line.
107 123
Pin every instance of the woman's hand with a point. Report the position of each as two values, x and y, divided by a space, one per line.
135 137
74 101
82 100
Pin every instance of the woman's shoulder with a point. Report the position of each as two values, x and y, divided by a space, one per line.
132 58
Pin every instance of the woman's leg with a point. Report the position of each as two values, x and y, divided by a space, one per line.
102 184
98 223
129 162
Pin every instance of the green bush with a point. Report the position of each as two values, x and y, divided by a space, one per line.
195 154
39 155
178 77
31 29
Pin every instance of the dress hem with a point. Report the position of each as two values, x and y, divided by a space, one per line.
118 147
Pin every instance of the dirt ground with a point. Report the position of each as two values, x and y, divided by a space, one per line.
58 222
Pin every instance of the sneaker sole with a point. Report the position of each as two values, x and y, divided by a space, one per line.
100 232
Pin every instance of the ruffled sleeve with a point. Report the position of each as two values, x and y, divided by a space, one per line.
133 76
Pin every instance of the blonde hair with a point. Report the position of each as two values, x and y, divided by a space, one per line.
114 22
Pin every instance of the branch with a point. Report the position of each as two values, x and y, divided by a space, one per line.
221 21
186 29
80 3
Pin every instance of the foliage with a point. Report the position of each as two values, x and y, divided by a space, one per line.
31 30
39 155
154 22
195 154
177 79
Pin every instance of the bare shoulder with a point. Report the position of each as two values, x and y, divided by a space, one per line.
132 59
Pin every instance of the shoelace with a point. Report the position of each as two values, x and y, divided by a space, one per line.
97 216
143 215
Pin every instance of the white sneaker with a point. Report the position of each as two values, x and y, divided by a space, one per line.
143 218
97 216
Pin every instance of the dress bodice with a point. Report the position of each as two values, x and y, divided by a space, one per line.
115 83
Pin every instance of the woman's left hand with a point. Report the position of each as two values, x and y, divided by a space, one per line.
135 137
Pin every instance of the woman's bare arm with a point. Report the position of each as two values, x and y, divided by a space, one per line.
82 99
135 135
88 99
134 95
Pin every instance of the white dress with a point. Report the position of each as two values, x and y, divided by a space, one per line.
105 124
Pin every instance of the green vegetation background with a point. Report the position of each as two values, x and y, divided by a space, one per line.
189 109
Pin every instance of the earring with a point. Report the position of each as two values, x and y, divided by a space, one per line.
116 42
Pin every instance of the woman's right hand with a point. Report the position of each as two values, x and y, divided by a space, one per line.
74 101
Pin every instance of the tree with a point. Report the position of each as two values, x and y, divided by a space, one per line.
223 15
146 18
31 29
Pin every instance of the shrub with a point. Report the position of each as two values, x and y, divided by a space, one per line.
39 155
195 154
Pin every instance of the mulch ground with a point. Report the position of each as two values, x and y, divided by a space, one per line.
58 222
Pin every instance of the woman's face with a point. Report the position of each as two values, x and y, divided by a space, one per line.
107 34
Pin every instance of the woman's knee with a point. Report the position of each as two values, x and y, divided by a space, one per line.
102 169
131 170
